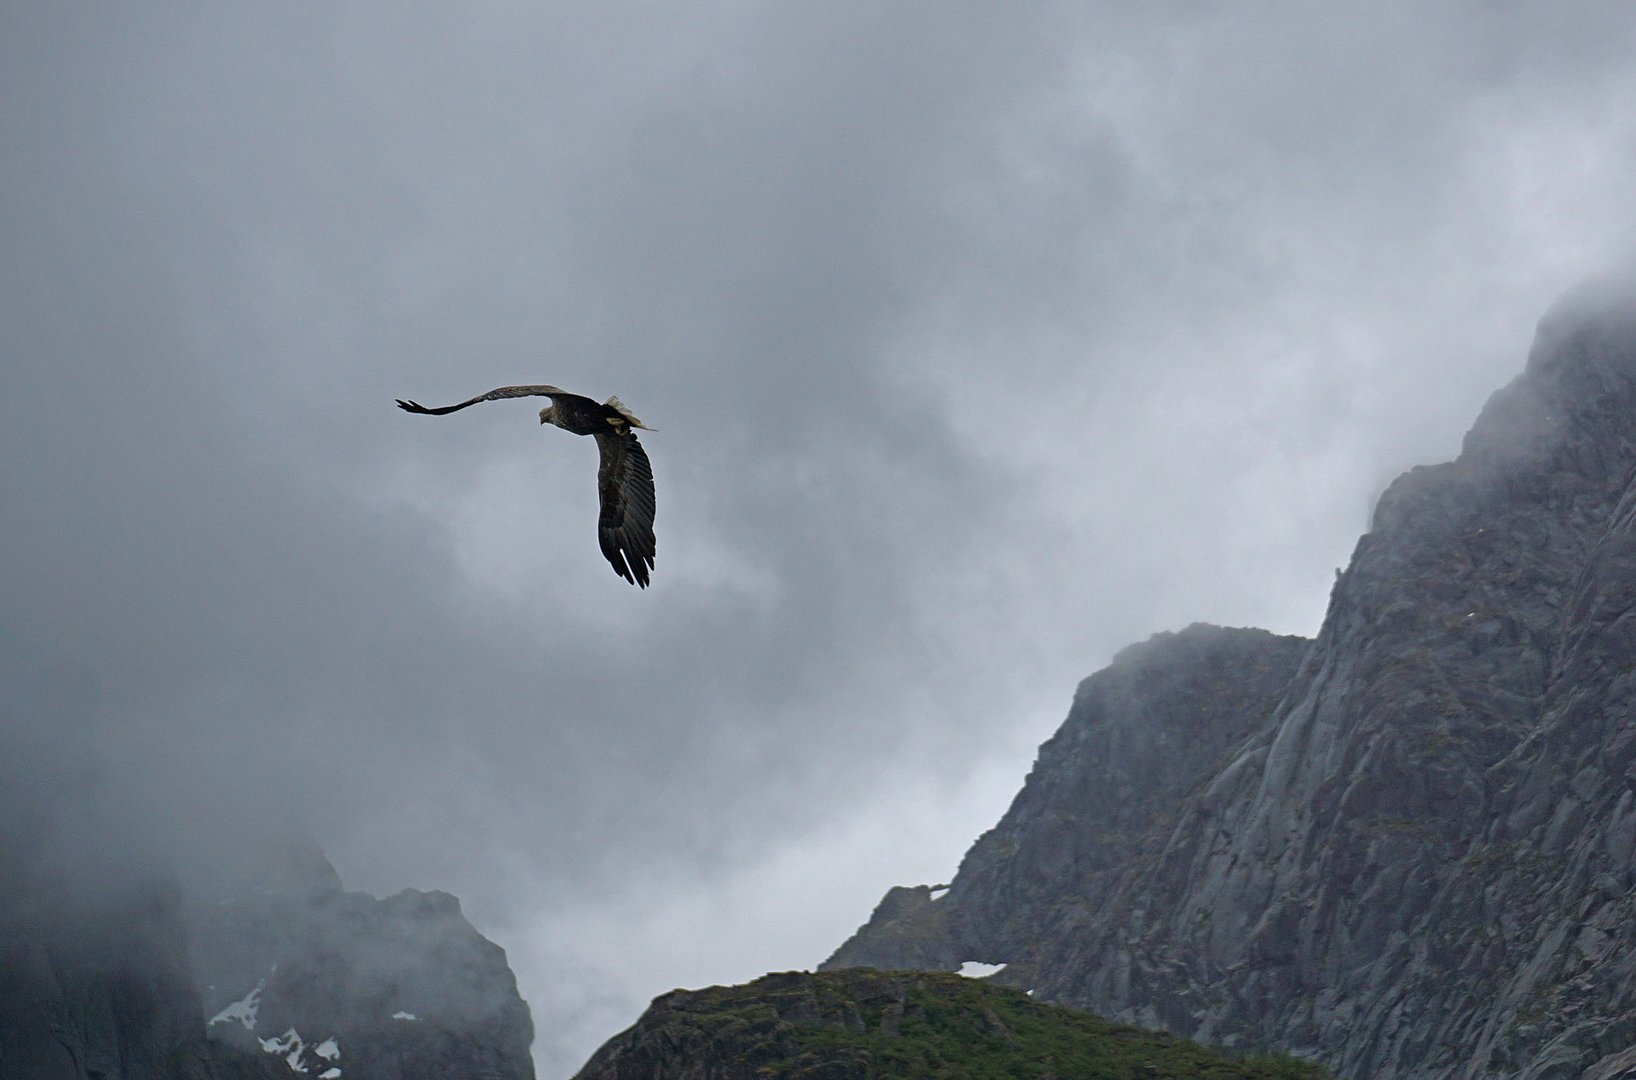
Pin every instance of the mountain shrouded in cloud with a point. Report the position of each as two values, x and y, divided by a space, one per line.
1404 848
979 343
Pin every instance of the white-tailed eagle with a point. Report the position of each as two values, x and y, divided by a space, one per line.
624 481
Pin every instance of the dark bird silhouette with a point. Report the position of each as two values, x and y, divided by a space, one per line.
624 482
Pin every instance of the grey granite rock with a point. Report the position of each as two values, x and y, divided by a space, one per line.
99 989
114 977
1404 848
401 988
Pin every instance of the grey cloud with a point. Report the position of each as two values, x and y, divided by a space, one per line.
980 344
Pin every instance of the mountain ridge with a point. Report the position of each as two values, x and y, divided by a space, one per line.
271 972
1418 859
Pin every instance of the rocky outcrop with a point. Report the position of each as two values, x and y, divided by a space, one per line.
278 973
1102 799
101 989
1414 856
860 1025
398 988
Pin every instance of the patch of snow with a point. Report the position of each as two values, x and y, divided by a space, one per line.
404 1016
1030 993
330 1074
289 1046
329 1049
243 1010
971 969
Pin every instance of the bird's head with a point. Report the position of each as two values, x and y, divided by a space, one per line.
548 415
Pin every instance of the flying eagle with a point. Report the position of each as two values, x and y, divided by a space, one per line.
624 481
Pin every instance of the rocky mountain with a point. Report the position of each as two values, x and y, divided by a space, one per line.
340 982
272 974
1406 848
860 1025
103 989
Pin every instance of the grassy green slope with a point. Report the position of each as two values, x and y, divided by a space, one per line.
869 1024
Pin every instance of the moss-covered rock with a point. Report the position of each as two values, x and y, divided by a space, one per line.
858 1024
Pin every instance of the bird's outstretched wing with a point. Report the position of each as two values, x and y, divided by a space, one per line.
492 395
625 488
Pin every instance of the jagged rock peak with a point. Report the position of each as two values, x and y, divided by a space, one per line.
268 970
1419 858
1142 733
1581 362
401 986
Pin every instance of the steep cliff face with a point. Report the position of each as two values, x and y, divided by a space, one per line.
1416 856
340 984
102 989
278 974
1102 799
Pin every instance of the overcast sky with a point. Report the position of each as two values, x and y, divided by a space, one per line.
981 341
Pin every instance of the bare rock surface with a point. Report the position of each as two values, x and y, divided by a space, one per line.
395 988
1404 848
277 973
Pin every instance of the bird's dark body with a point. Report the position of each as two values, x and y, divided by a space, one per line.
624 480
583 416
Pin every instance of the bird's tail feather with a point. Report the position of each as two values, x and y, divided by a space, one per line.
630 417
